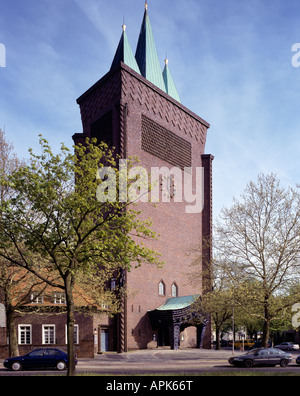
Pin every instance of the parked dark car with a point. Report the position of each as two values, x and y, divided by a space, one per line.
262 357
39 358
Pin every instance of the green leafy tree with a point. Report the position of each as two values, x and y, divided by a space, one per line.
54 226
16 285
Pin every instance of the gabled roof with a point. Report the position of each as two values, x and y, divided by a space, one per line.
146 54
124 53
169 83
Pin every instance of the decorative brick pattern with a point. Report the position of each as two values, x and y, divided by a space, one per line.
99 98
160 142
153 101
102 129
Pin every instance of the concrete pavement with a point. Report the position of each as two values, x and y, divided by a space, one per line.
159 361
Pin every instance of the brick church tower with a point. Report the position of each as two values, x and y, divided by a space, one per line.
136 108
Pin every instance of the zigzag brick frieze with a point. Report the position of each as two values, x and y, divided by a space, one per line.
126 86
136 90
97 99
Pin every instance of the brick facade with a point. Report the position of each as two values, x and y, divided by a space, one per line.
89 327
176 137
136 117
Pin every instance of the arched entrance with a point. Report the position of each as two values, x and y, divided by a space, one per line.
175 315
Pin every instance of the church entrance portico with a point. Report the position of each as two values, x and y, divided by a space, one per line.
176 315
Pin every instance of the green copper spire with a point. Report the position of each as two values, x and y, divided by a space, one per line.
146 54
169 83
124 53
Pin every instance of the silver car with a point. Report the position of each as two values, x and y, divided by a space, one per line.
287 346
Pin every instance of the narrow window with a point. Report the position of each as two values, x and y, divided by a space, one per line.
113 284
174 290
161 288
76 334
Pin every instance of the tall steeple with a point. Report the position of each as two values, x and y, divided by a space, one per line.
146 54
145 61
169 82
124 53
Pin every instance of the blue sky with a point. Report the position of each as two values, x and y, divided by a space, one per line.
230 60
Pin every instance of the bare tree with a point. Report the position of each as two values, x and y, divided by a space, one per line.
259 240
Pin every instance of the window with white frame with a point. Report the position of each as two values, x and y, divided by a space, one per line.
76 334
36 298
161 288
48 334
174 290
24 334
59 298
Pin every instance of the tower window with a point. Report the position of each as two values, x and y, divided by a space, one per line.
102 129
161 288
174 290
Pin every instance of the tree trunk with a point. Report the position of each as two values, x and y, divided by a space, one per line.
266 328
12 332
70 325
218 341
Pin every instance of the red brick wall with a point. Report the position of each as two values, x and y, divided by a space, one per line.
130 96
2 335
84 322
179 232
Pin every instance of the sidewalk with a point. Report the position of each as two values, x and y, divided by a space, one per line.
166 352
155 361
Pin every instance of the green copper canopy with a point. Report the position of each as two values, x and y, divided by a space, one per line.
146 54
124 54
169 83
178 302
